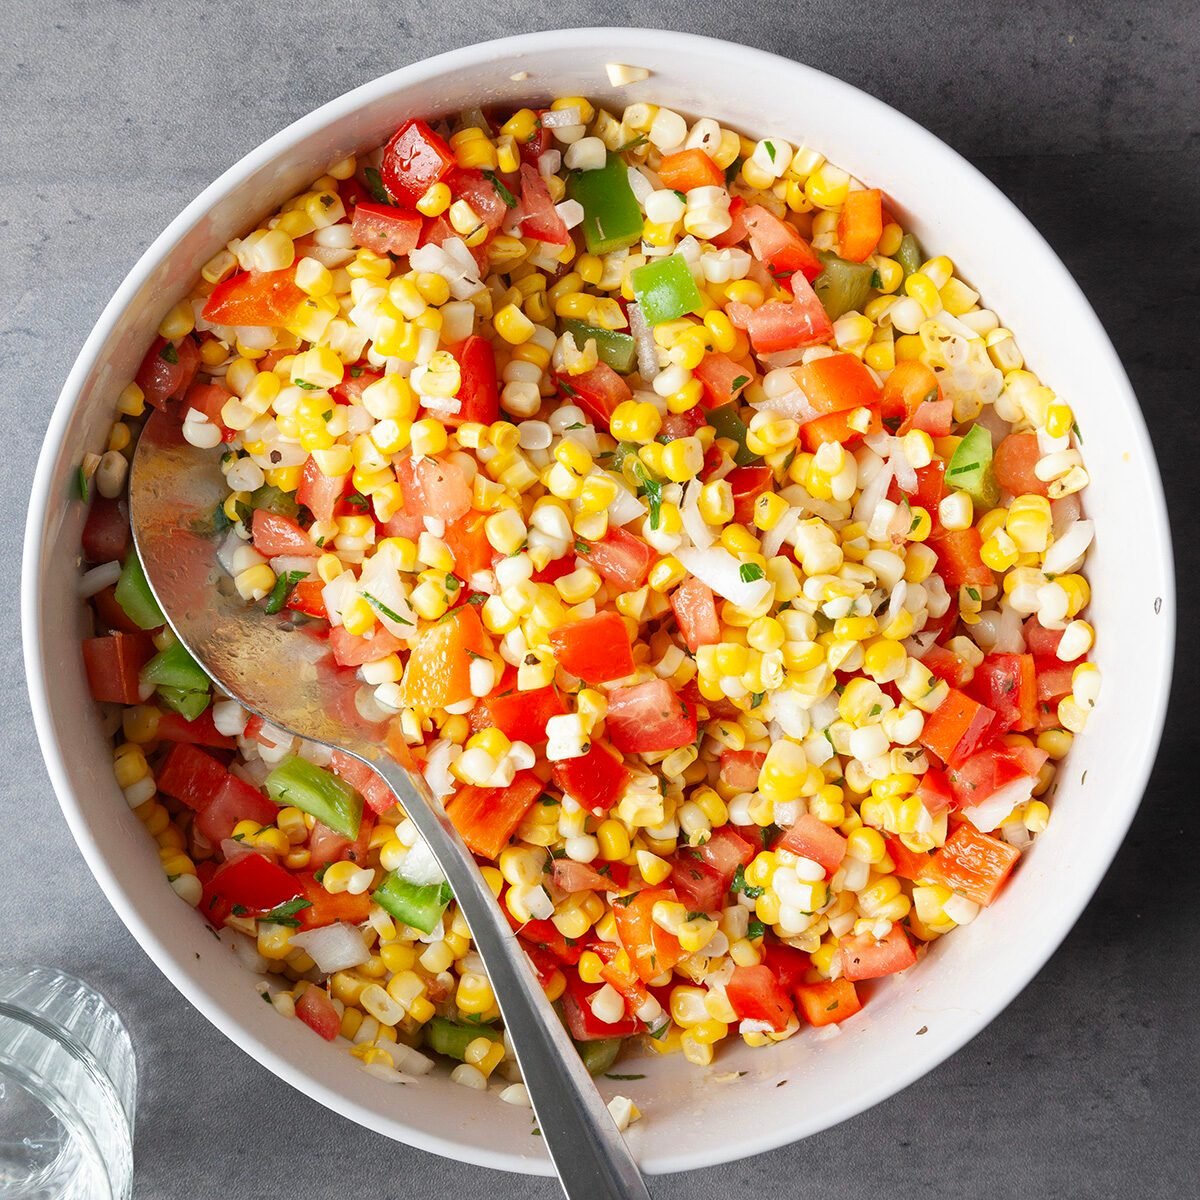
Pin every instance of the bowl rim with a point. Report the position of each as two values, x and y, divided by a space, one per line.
621 40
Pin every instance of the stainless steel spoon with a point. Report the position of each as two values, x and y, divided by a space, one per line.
288 679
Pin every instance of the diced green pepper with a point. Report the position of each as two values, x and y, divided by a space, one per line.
452 1038
133 594
908 255
725 420
612 217
599 1055
188 705
273 500
665 289
417 905
282 590
619 350
970 467
317 792
175 667
842 286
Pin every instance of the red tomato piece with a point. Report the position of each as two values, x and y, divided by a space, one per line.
860 224
789 965
909 385
434 487
828 1002
112 664
687 169
695 612
843 427
595 780
520 716
597 392
681 425
110 615
740 769
996 766
1007 684
316 1010
649 716
373 788
481 194
583 1024
414 160
263 298
756 995
813 839
780 247
865 957
725 851
253 883
106 536
935 418
200 732
786 325
722 379
327 846
975 864
545 936
909 864
353 385
699 887
386 229
747 484
352 650
956 727
632 990
960 563
737 231
651 949
488 817
578 877
167 370
320 493
1054 679
209 399
934 791
325 908
234 801
467 540
621 558
1040 641
947 665
541 219
1013 465
275 534
479 390
596 649
191 776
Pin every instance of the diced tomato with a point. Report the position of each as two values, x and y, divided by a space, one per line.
747 484
308 597
813 839
583 1024
935 418
372 787
167 370
316 1010
1054 679
595 780
931 486
109 613
934 791
740 769
780 247
597 392
786 325
235 800
956 727
947 665
960 563
414 160
789 965
541 219
467 540
481 194
687 169
651 949
1040 641
596 649
860 224
828 1002
648 717
209 399
352 649
353 384
681 425
909 863
520 716
478 390
1007 684
275 534
991 768
433 487
695 612
200 732
700 888
327 846
112 664
756 995
1013 465
106 536
545 935
975 864
725 851
541 140
488 817
386 229
352 194
843 427
836 383
191 776
865 957
623 559
737 231
722 379
253 884
264 298
578 877
438 672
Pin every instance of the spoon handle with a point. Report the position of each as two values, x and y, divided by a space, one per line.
589 1153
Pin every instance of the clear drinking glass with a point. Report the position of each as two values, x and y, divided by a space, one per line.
68 1086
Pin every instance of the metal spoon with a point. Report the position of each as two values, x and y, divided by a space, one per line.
289 679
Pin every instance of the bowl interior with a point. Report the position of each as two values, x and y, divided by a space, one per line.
758 1099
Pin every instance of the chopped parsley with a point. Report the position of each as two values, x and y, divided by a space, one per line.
476 598
751 572
282 590
453 583
770 148
696 916
876 281
654 494
626 901
285 913
375 186
740 885
681 195
876 709
973 593
1075 431
756 698
357 501
319 874
308 387
567 389
168 353
355 372
509 199
739 383
635 144
624 1078
81 487
755 929
581 547
391 614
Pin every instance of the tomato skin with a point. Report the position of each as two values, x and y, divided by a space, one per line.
813 839
785 325
828 1002
756 995
973 779
161 379
909 864
725 851
909 385
275 534
837 427
260 298
747 484
316 1010
1013 464
1007 684
695 610
112 664
596 649
623 559
651 949
106 536
598 391
975 864
520 716
433 487
110 615
574 877
466 539
479 390
595 780
960 563
373 788
649 717
326 908
719 374
234 801
541 219
865 957
480 193
201 732
386 229
947 665
956 727
320 493
352 650
488 817
934 791
700 888
860 224
191 776
740 769
789 965
414 160
779 246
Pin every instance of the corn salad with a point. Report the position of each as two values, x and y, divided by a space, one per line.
713 553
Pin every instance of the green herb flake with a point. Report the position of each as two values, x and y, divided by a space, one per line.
654 494
509 199
626 901
973 593
740 885
476 598
624 1078
739 383
755 930
876 281
240 910
308 387
1075 431
567 389
375 186
635 144
285 914
168 353
391 614
319 874
756 698
81 485
282 590
770 148
453 583
876 709
581 547
751 572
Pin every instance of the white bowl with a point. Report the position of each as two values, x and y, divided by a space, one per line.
966 979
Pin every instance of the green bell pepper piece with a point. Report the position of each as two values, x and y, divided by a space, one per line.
188 705
665 289
612 217
842 286
133 594
452 1038
618 350
417 905
725 420
599 1055
273 500
175 667
970 467
317 792
908 255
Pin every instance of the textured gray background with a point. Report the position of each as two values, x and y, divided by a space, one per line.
119 111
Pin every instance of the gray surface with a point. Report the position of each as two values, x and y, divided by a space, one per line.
119 111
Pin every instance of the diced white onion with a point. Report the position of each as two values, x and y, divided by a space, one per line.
986 815
335 947
694 524
98 578
1068 548
643 336
722 572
